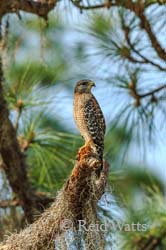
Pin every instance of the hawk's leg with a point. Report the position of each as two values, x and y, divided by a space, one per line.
88 148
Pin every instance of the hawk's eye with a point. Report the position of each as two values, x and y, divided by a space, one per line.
84 83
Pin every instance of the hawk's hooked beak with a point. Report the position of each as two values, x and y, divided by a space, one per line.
91 84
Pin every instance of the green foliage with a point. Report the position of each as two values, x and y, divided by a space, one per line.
36 71
36 24
116 142
132 182
51 158
153 216
100 24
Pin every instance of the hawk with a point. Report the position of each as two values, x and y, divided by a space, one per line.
89 117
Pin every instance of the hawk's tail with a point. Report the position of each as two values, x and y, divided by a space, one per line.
100 149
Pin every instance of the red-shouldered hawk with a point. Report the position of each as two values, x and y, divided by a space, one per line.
89 117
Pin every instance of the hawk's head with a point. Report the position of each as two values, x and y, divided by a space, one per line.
84 86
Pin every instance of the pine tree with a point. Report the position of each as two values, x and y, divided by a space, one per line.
122 42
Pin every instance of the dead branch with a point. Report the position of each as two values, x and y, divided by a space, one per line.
40 7
76 201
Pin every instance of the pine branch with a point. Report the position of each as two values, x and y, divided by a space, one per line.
87 7
151 93
138 8
106 4
40 7
150 2
109 3
132 47
154 41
